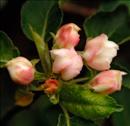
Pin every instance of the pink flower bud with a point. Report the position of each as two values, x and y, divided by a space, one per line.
107 82
51 86
21 70
67 36
66 62
99 52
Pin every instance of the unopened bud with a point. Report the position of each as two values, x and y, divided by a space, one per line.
21 70
107 82
67 36
51 86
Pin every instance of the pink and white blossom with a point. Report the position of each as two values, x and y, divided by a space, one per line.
107 82
21 70
99 52
67 36
66 62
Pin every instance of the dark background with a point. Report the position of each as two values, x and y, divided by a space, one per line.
10 24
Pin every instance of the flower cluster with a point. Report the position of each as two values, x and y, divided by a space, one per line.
98 55
68 63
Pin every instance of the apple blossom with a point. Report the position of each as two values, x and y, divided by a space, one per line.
66 62
67 36
107 82
21 70
99 52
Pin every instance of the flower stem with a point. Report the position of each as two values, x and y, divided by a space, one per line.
79 80
66 115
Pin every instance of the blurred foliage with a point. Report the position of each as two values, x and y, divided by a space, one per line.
6 45
42 15
39 113
105 22
3 4
122 118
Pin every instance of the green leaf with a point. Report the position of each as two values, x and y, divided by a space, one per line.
123 118
7 49
43 51
34 62
109 23
43 16
39 18
86 104
122 34
40 76
109 6
76 121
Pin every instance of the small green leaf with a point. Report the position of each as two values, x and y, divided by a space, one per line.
44 16
109 23
86 104
7 49
34 62
40 76
54 98
43 51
